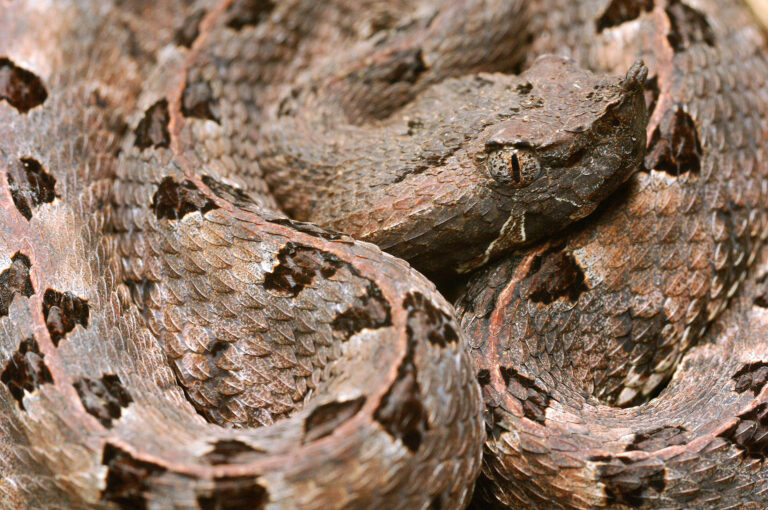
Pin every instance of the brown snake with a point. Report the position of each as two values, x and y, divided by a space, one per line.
170 339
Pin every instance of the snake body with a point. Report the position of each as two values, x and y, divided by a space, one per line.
171 339
172 343
602 316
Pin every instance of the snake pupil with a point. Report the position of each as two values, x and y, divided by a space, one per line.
515 166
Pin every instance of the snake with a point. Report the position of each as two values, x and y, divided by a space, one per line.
216 216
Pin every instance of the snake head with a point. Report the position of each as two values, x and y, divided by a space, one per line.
572 140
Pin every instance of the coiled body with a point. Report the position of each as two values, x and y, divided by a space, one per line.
171 339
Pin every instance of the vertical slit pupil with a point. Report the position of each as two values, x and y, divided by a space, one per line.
515 165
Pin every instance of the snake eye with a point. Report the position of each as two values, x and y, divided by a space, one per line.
513 166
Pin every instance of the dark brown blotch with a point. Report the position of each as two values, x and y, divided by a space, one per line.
236 493
15 280
128 479
628 482
152 130
22 89
401 411
621 11
25 371
553 275
688 26
675 147
174 200
534 398
414 126
425 320
752 377
297 268
371 311
484 376
30 186
326 418
197 101
217 347
104 398
243 13
63 311
524 88
230 451
186 34
750 433
231 194
657 439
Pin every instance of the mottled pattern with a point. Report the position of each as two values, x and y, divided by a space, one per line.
168 340
604 315
574 137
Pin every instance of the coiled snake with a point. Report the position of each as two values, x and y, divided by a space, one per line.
183 324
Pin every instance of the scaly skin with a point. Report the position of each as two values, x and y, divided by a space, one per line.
336 150
141 293
609 309
170 339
